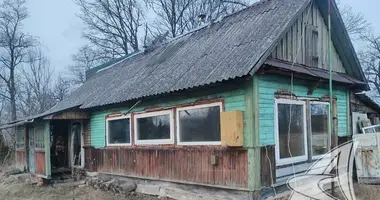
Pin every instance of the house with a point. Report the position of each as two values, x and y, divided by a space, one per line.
240 104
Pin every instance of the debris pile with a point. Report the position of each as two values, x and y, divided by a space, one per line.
78 174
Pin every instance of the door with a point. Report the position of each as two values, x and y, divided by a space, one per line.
31 151
77 144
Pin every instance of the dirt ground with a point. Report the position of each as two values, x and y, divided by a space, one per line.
19 189
22 191
367 192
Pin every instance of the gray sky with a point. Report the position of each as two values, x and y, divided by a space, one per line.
59 30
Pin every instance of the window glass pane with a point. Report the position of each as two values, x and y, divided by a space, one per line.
200 125
319 128
20 138
118 131
291 130
153 128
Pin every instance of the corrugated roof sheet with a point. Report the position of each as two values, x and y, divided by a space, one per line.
224 50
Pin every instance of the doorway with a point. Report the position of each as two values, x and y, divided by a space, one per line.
59 144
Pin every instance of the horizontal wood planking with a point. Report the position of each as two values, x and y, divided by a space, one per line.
296 42
175 164
233 100
269 84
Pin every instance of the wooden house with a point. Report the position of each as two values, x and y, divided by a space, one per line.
239 104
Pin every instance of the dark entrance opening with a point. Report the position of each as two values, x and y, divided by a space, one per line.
59 148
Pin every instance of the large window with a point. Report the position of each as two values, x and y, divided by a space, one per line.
294 142
291 134
118 131
199 125
319 122
154 128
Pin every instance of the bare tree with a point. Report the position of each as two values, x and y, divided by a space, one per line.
179 16
36 93
86 58
357 26
13 46
112 25
370 60
62 88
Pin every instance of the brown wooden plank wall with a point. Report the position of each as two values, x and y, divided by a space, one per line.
39 160
176 164
268 166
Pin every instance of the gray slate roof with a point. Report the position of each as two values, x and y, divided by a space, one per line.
227 49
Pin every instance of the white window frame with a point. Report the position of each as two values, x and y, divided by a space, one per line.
329 130
286 161
220 104
130 130
154 114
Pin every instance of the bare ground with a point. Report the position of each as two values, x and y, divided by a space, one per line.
367 192
22 191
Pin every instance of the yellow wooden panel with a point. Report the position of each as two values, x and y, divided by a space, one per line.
231 124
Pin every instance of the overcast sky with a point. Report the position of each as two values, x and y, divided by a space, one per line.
59 30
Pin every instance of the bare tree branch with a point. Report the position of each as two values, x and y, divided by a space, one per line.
86 58
370 59
357 26
112 24
15 43
179 16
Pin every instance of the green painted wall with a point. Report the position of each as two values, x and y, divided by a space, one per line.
233 100
269 84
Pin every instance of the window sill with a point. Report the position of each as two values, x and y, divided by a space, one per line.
154 142
173 147
199 143
119 145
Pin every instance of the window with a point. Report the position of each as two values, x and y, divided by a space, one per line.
20 138
199 125
314 54
291 134
39 132
154 128
319 122
119 131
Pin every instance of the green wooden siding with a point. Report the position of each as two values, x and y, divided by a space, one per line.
269 84
233 100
